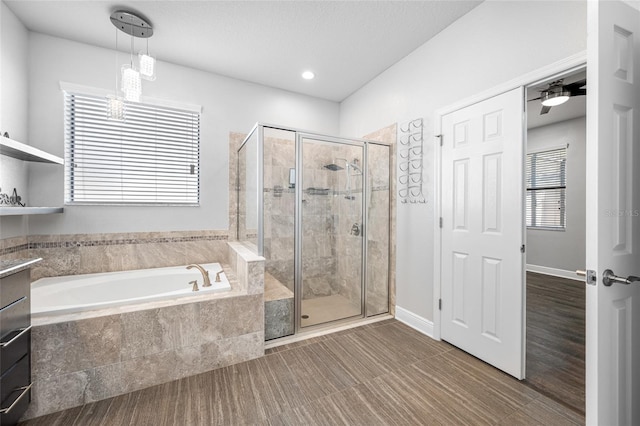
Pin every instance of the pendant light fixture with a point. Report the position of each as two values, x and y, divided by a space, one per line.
134 26
147 65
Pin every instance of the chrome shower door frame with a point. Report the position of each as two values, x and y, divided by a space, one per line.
298 293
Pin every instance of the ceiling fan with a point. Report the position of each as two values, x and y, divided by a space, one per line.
558 93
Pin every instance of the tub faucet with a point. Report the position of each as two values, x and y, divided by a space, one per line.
195 285
205 274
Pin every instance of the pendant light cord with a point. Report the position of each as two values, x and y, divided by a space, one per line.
131 51
116 92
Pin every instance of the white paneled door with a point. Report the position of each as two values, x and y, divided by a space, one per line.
613 214
482 272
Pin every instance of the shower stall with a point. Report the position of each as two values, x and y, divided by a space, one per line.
318 209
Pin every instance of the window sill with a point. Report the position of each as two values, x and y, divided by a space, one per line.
542 228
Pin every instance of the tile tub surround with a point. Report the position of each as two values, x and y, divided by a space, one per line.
14 248
88 357
73 254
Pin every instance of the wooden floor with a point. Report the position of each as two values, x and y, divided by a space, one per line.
555 338
379 374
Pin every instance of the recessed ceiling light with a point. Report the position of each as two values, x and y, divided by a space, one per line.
308 75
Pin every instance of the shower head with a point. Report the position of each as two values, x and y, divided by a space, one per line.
355 166
333 167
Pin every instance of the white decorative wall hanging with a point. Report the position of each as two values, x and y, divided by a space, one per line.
410 161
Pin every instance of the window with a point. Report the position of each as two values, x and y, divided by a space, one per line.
150 158
546 189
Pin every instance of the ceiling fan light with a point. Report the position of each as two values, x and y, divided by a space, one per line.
552 99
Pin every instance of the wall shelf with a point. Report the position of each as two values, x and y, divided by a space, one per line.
25 152
20 211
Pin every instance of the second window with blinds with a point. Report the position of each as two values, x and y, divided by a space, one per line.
546 176
150 158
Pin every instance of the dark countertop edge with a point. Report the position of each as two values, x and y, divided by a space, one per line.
9 267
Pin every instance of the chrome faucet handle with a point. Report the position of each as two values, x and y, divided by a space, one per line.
218 276
195 285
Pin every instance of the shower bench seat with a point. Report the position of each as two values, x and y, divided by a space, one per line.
278 308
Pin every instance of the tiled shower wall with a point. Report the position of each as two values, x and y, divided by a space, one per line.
279 200
73 254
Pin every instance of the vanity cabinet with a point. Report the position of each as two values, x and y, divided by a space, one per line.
15 340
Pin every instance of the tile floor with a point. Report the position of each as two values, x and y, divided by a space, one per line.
383 373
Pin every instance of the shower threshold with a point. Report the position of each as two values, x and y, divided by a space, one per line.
330 328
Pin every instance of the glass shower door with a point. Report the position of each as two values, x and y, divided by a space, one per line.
331 201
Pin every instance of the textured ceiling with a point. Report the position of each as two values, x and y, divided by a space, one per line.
346 43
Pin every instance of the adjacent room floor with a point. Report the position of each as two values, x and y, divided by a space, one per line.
379 374
555 338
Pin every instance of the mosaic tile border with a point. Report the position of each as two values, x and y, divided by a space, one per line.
108 242
14 249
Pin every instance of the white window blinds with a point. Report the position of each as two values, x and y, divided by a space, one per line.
546 189
150 158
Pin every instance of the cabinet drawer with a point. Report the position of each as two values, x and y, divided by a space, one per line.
14 287
19 407
19 343
16 377
15 392
15 317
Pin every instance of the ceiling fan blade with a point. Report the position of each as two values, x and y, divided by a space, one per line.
578 92
545 109
535 99
571 87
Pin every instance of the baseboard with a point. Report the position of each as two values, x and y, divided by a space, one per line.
414 321
571 275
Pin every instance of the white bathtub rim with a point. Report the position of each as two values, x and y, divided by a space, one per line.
235 291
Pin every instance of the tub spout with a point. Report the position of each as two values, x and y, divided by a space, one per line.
204 272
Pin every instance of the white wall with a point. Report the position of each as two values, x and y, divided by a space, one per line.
493 43
228 105
556 249
14 89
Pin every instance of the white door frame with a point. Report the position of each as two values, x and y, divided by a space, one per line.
565 66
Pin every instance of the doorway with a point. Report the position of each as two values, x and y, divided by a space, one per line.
555 233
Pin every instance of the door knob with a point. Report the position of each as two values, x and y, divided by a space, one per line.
608 278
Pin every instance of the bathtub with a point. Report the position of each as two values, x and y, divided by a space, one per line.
79 293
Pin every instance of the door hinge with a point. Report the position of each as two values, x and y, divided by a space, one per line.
440 137
522 248
439 304
440 222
